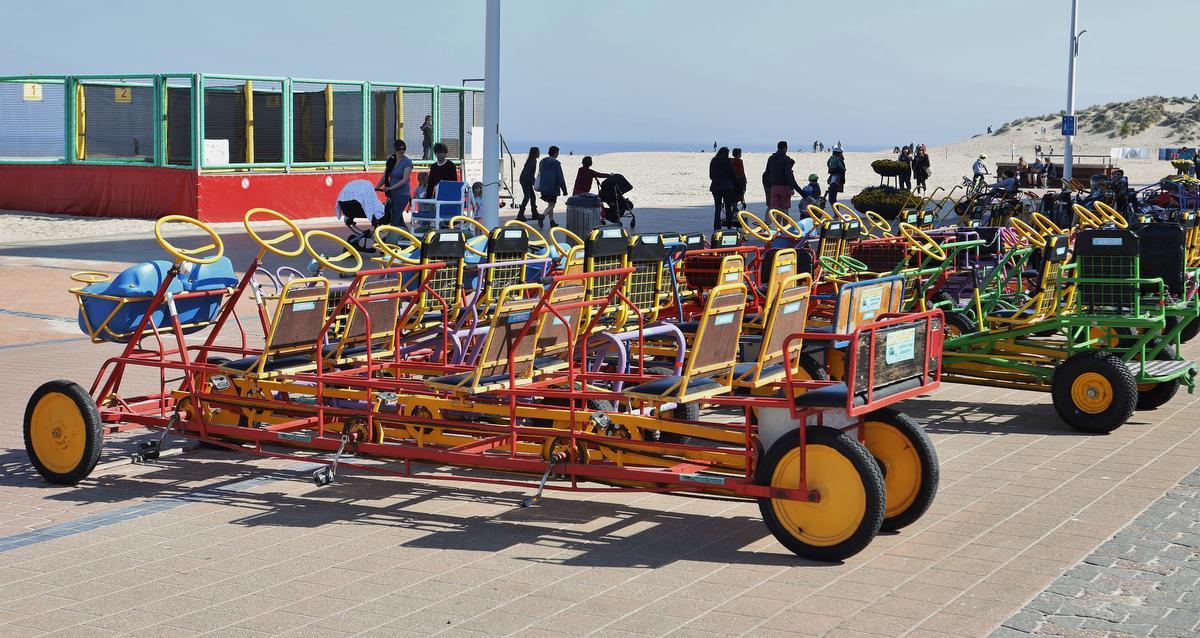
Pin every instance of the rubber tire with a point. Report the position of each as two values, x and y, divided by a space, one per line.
868 471
686 412
1111 368
911 430
93 432
1189 331
1160 393
960 321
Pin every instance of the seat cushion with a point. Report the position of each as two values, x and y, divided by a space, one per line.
660 386
1009 313
745 371
273 363
688 327
827 396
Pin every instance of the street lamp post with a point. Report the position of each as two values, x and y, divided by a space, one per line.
491 117
1069 133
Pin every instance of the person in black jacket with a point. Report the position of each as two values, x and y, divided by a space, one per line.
526 180
920 167
441 170
723 185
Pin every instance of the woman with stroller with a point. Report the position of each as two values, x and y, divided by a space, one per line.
586 176
526 180
395 185
551 183
921 168
723 185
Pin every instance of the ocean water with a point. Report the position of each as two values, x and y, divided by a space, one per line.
521 147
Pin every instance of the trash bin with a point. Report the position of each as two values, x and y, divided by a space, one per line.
584 213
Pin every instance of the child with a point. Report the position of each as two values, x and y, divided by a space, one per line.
811 193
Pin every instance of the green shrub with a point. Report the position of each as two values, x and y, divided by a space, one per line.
888 167
885 200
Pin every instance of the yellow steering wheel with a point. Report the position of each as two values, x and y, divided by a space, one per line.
819 215
877 224
784 224
754 226
402 255
348 252
845 213
570 240
91 277
535 238
1086 217
1110 214
1030 234
1045 225
481 231
922 241
190 254
272 244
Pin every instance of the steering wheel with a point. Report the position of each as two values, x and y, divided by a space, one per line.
852 264
819 215
190 254
833 266
754 226
394 250
1028 232
1045 225
272 244
570 240
332 262
876 223
91 277
784 224
481 231
1110 214
535 238
845 213
922 241
1086 217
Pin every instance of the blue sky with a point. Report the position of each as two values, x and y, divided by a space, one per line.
682 72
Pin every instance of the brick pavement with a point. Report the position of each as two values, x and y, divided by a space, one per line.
217 542
1141 582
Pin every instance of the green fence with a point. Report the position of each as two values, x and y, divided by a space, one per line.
229 122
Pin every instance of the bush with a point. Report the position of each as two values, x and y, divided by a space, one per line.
888 168
884 200
1181 164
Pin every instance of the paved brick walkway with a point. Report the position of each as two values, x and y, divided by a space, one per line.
223 543
1141 582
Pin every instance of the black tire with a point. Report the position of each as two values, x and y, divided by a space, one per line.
1153 395
958 324
685 412
856 533
897 442
1120 384
1189 331
813 368
85 436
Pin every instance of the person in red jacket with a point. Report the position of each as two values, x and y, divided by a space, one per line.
585 177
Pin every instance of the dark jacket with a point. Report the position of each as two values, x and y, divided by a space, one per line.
779 171
837 167
920 166
528 172
553 182
720 172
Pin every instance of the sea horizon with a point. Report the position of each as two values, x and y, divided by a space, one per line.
520 147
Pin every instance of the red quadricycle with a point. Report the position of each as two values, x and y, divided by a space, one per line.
525 391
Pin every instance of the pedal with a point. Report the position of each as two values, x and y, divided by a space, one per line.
324 476
147 451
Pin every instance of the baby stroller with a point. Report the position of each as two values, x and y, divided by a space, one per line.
356 202
616 205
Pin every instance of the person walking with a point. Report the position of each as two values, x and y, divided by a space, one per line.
426 136
395 184
551 183
585 176
780 179
722 185
906 173
739 170
921 168
528 173
836 166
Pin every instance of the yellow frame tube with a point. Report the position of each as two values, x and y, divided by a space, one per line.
80 124
399 112
329 123
249 91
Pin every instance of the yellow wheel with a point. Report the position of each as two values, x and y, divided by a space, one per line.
785 224
1086 218
909 464
1094 391
877 225
193 255
569 240
819 215
363 432
849 489
333 263
88 277
272 245
920 240
845 213
1031 235
1110 215
63 432
755 226
396 252
1045 225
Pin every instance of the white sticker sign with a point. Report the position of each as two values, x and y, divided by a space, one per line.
900 346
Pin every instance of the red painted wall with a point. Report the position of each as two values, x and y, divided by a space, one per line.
150 192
